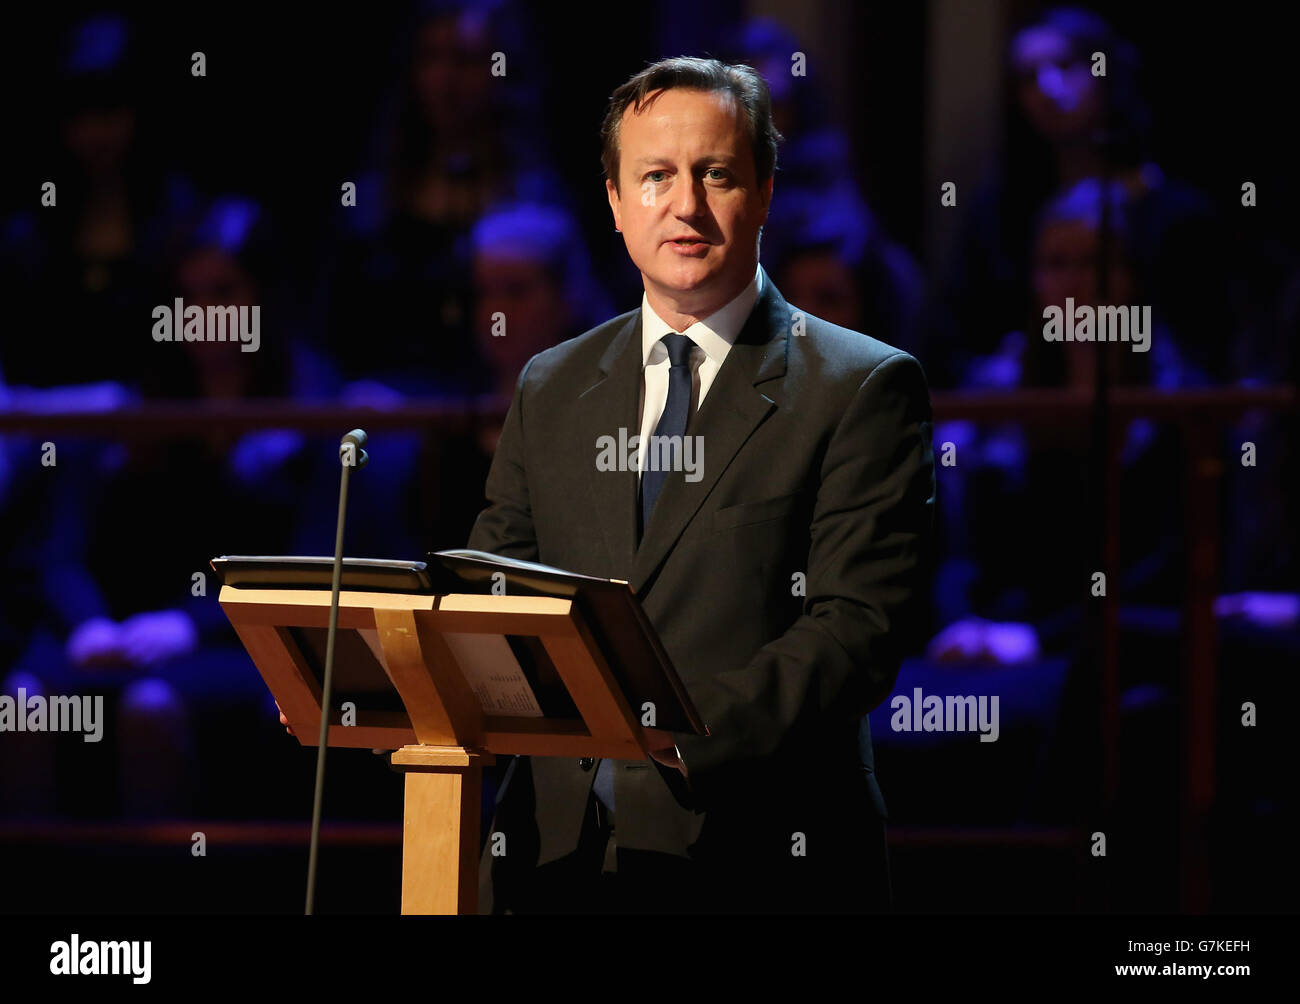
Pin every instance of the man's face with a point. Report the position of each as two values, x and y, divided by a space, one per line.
686 171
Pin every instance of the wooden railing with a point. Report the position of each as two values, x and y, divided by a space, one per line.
172 419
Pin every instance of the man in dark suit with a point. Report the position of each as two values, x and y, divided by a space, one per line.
780 561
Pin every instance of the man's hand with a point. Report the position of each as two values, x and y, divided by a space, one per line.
289 728
669 758
663 749
284 721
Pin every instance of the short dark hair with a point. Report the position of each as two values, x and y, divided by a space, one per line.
745 85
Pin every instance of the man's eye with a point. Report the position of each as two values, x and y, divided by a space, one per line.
656 176
717 174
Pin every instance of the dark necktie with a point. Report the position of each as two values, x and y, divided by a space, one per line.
672 423
677 412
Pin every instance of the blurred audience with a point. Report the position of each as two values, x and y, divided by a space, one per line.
78 276
463 257
1004 592
1067 124
534 287
455 140
824 247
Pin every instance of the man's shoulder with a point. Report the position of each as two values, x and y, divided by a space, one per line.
833 352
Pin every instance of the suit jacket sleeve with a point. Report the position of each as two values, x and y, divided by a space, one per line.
866 567
505 527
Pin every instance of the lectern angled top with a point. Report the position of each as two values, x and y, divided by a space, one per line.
467 650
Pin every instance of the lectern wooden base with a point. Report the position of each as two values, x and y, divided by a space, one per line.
440 828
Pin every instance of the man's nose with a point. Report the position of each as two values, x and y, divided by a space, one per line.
687 199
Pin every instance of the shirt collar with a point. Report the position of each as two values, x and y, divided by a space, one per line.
715 334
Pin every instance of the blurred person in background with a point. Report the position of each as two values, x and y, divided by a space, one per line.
81 275
1258 611
1013 486
822 242
1262 539
843 270
1019 548
1066 125
534 286
455 140
130 531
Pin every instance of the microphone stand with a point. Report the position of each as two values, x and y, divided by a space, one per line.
351 455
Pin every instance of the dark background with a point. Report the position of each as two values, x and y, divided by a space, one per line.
295 102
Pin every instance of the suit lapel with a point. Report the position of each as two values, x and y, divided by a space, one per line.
608 405
731 411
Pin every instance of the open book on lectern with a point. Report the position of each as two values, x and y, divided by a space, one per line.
512 676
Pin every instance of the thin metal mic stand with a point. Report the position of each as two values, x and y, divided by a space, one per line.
351 455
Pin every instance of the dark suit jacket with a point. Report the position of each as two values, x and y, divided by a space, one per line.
817 469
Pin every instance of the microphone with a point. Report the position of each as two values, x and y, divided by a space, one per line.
350 452
351 457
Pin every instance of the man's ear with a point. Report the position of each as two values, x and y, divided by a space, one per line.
765 193
615 204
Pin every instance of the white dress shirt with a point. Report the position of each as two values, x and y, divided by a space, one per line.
713 337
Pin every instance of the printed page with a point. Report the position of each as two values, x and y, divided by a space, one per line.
494 674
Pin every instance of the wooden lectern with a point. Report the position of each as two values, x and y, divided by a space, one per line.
412 667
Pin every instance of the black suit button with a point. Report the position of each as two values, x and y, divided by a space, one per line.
586 762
